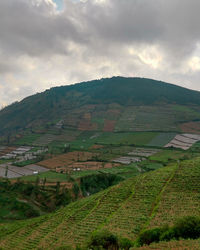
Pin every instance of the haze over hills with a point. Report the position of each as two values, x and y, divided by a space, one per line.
107 104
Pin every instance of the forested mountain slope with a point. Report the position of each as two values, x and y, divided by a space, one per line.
109 101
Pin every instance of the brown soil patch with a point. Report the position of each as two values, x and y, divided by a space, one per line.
66 159
89 165
114 113
190 127
97 146
87 116
7 150
109 126
86 125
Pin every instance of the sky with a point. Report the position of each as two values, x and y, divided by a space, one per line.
46 43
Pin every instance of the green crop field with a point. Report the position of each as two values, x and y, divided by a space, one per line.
143 118
161 139
28 139
181 244
167 155
50 176
126 209
87 139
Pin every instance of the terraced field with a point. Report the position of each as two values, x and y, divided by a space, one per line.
183 141
173 245
45 140
126 209
145 118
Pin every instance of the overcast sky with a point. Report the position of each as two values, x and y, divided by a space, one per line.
45 43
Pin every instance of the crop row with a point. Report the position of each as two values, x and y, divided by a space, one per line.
181 197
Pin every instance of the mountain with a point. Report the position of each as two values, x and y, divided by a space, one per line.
149 200
107 104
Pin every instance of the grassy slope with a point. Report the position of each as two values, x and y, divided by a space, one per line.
148 200
181 244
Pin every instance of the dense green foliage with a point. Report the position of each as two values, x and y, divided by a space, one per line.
12 206
103 240
94 183
22 200
184 228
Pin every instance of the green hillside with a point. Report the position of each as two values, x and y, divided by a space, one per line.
146 201
112 104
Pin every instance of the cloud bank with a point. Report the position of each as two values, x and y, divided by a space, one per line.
42 45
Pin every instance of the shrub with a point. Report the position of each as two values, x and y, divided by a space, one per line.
125 243
103 240
149 236
187 227
168 235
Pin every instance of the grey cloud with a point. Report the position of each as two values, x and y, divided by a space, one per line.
91 39
28 29
34 30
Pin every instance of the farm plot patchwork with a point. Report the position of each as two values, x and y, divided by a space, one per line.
9 171
44 140
86 123
16 152
144 152
123 209
191 127
90 165
128 138
28 139
127 159
183 141
87 139
136 155
145 118
6 150
64 160
109 126
68 135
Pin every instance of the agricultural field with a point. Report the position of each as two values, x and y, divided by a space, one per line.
145 118
180 196
144 152
161 139
169 155
183 141
181 244
10 171
44 140
64 160
88 139
51 176
6 150
28 139
127 159
190 127
124 209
